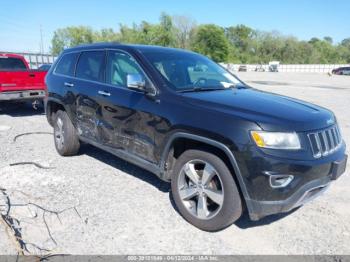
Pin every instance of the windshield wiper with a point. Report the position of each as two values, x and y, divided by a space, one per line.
201 89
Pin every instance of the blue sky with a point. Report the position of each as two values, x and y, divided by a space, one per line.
20 20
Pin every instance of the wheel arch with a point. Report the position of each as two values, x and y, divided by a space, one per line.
201 142
52 106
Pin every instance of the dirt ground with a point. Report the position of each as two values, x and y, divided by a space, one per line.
95 203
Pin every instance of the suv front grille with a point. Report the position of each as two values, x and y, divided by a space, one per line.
325 142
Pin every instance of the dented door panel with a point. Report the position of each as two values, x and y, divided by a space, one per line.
128 129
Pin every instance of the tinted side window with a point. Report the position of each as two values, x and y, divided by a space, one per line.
119 65
90 65
66 65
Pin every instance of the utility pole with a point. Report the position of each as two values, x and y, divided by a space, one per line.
41 40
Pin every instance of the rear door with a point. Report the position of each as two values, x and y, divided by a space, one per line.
61 82
89 78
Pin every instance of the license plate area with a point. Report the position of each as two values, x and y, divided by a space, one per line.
338 168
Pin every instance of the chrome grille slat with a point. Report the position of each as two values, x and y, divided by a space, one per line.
330 139
325 142
338 133
318 144
326 146
334 136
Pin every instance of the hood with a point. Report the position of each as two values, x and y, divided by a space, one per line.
271 111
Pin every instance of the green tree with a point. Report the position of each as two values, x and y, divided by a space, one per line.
210 40
291 51
152 34
344 50
237 44
165 31
241 39
314 40
328 39
269 46
134 34
325 52
71 36
184 29
106 35
346 42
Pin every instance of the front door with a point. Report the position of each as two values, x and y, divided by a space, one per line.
127 114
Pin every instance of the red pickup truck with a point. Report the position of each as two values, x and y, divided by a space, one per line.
18 82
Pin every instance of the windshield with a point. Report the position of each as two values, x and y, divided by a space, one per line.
187 71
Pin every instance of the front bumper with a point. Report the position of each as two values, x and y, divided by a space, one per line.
311 179
22 95
305 194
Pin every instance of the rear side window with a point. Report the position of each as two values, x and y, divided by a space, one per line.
67 64
90 66
10 63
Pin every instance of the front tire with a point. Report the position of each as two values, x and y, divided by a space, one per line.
205 191
65 137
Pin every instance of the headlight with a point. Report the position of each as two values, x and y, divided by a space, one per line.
276 140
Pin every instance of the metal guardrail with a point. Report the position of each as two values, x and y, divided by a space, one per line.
35 59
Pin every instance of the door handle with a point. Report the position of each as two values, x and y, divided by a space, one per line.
104 93
68 84
31 75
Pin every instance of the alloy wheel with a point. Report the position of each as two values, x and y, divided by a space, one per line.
59 133
200 189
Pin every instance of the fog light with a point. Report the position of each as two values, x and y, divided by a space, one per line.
279 181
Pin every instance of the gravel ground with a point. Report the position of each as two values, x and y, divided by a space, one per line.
95 203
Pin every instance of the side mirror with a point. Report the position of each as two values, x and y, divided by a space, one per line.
135 81
138 82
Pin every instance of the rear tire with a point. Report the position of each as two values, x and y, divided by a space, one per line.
65 137
213 202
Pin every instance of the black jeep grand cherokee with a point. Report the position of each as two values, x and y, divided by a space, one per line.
223 145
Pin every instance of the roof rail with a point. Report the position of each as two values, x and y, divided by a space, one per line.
98 43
